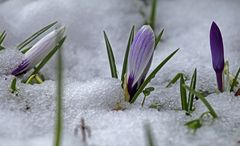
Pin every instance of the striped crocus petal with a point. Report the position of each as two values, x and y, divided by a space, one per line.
217 51
140 57
39 51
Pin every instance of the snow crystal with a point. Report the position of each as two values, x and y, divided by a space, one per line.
9 59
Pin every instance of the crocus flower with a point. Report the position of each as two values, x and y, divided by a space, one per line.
217 50
140 58
39 51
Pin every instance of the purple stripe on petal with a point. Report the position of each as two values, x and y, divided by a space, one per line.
140 57
217 51
21 68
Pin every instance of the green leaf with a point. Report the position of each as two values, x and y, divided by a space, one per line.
152 17
152 75
147 91
34 36
48 57
149 135
174 80
203 99
1 48
183 93
13 85
110 57
124 68
2 37
194 124
25 49
192 86
158 38
234 83
59 113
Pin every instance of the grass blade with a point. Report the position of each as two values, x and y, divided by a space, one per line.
235 80
48 57
183 93
174 80
190 95
149 135
2 37
152 17
13 86
110 57
158 38
34 36
202 98
58 114
152 75
124 68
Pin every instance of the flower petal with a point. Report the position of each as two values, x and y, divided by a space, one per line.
39 50
217 49
140 55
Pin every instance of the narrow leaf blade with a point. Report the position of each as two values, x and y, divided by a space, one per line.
158 38
59 114
34 36
152 75
110 57
235 80
192 86
174 80
203 99
124 68
183 94
2 37
152 17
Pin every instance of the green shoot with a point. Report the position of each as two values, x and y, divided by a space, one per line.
190 95
58 115
48 57
149 135
146 93
158 38
110 57
183 94
203 99
152 18
13 87
124 68
196 123
34 36
234 83
152 75
34 79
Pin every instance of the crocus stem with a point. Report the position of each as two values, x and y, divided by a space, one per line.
219 81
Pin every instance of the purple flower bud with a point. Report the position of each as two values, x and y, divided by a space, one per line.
217 51
140 58
39 51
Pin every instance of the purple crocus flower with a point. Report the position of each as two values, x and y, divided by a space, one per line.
217 51
140 58
39 51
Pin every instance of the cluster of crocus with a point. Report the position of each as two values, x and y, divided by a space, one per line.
39 51
217 51
139 60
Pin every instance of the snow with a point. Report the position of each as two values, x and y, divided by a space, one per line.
27 117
